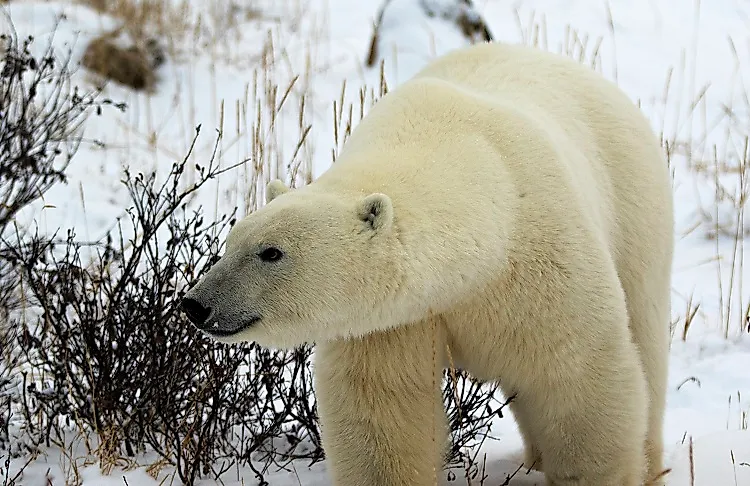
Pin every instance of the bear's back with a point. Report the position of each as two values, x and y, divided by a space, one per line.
628 173
573 105
491 133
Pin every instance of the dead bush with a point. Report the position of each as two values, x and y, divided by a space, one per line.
41 129
133 66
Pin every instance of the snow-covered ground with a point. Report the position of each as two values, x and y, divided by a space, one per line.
685 62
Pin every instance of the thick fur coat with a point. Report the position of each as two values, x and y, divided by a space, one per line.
506 208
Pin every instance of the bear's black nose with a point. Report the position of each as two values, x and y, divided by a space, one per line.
195 311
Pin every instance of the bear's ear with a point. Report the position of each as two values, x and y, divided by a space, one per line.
274 189
376 210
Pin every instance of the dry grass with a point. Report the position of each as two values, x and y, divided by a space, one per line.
172 29
574 44
146 17
133 66
720 162
184 31
130 54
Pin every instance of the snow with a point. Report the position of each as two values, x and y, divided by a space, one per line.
724 455
663 54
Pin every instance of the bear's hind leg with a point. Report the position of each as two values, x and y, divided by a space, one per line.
382 417
649 324
591 420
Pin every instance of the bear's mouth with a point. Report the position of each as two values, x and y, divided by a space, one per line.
226 331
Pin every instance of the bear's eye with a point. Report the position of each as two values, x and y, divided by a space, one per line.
271 254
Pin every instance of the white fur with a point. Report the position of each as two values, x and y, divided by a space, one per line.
506 208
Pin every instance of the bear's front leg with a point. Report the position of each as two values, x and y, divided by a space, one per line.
380 404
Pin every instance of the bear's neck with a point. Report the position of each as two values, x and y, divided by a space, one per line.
454 239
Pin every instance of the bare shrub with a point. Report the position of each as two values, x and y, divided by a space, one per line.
6 383
111 351
472 406
40 124
41 120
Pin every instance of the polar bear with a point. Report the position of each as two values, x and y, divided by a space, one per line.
507 210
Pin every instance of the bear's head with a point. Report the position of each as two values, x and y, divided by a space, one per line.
306 267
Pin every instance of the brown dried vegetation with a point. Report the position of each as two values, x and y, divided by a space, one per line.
134 66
